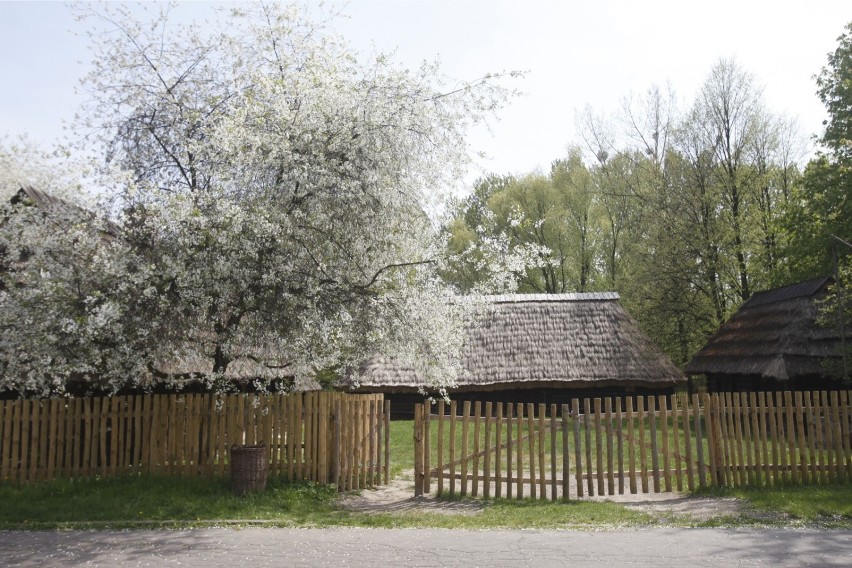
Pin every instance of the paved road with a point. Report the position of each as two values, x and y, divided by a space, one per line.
257 547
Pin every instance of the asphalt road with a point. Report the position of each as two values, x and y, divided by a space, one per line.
257 547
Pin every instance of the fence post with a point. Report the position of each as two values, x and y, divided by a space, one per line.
418 450
335 458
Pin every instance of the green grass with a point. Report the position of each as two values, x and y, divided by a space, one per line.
150 501
824 505
142 502
129 500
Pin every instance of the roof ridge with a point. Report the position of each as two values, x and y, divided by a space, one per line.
565 297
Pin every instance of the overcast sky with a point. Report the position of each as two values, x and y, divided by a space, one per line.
576 53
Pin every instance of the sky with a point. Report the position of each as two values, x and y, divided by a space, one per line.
575 54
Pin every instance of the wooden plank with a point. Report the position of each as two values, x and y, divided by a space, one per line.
742 478
610 463
337 440
290 419
726 423
800 431
57 431
46 446
322 439
387 439
427 445
779 454
127 434
599 449
477 415
33 426
114 434
360 458
578 452
664 423
812 437
486 487
754 439
699 446
542 463
509 463
587 423
631 445
839 454
710 428
749 473
16 427
845 412
498 427
687 443
655 451
5 440
791 436
553 436
67 434
453 410
21 441
343 405
828 436
643 454
440 464
764 445
362 446
15 462
676 439
619 436
819 441
566 455
532 453
418 449
136 455
86 436
519 480
464 445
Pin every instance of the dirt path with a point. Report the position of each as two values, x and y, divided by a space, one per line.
399 496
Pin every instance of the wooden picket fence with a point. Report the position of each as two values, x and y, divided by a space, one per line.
643 444
318 436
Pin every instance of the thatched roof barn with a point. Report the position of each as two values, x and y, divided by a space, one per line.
544 343
773 340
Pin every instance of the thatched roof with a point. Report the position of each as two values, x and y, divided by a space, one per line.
546 340
773 335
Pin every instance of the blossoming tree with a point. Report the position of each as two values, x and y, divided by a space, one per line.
277 209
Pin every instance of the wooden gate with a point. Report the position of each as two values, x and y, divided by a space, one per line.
609 446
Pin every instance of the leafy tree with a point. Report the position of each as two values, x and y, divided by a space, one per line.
820 204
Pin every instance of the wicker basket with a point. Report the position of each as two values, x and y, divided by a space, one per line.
248 468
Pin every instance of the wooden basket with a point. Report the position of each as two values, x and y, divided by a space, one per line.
249 468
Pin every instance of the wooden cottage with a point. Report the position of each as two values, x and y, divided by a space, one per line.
543 348
772 343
